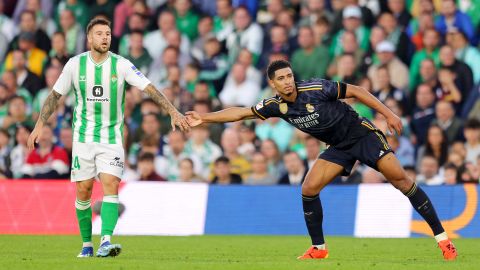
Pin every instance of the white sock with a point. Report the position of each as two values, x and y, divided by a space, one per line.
320 246
105 238
441 237
87 244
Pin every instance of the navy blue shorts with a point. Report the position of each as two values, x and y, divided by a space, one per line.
368 149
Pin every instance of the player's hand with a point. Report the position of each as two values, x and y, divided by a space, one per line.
33 138
394 123
194 119
179 120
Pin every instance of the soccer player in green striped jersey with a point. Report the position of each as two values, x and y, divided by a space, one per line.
98 79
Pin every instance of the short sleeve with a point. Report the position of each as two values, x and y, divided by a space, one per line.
133 76
333 90
64 81
267 108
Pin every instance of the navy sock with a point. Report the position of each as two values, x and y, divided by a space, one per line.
422 204
313 213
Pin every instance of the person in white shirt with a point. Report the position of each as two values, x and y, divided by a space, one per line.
240 91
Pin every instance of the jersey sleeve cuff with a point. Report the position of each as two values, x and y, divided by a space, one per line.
342 90
256 113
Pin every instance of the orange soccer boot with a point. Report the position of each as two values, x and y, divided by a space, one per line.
448 249
314 253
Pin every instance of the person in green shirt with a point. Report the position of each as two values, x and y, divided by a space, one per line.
309 61
79 9
186 19
431 40
137 54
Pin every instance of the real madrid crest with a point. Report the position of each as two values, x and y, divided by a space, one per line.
283 108
310 107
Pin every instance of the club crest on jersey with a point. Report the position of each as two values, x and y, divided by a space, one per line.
310 107
283 108
114 78
97 91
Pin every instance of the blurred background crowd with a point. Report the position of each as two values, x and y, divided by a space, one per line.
419 57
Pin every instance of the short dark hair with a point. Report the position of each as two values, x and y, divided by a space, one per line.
222 159
472 123
276 65
146 156
96 21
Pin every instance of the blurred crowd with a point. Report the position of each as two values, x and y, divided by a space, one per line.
419 57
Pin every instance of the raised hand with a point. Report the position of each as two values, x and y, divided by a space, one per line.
193 118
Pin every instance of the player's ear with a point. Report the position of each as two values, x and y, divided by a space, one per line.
271 84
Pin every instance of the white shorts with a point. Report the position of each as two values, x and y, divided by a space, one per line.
90 159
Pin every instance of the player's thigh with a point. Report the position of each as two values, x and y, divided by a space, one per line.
110 160
393 171
83 163
320 175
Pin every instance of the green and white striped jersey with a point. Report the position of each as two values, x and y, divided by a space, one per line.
100 95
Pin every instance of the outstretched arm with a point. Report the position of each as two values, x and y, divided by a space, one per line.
228 115
177 118
48 108
393 121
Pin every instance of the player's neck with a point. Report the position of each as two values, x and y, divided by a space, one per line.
98 57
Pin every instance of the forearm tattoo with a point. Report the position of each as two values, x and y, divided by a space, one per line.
49 106
159 98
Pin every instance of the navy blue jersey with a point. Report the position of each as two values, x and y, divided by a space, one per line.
317 111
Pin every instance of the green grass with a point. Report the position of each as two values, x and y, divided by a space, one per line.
234 252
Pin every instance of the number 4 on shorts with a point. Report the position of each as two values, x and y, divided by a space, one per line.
76 163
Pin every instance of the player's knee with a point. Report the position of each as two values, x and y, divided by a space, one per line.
84 192
311 187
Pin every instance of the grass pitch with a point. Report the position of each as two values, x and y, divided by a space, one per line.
234 252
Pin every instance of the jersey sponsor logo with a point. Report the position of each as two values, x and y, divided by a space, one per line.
259 105
117 162
310 108
97 91
283 108
138 72
305 121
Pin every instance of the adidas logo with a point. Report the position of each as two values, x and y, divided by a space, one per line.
381 153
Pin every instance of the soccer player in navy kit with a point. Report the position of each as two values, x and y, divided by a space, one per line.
315 108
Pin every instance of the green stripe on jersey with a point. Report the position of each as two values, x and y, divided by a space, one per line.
98 106
113 101
82 80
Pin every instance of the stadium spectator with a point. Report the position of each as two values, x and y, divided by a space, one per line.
28 24
387 90
385 52
276 166
436 145
201 146
463 73
34 58
314 9
471 131
249 141
146 168
223 21
47 161
158 69
122 11
396 36
428 74
451 16
241 90
19 152
445 118
352 21
398 9
102 7
51 76
215 129
349 46
259 175
450 174
403 149
465 52
186 18
277 42
150 127
26 78
186 172
431 40
346 69
214 66
174 38
17 114
156 41
428 171
205 31
9 78
223 174
137 54
245 57
58 55
448 88
247 34
74 34
5 151
230 143
66 139
6 25
423 113
135 23
321 32
271 128
305 59
296 170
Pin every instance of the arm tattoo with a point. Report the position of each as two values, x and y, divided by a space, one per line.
159 98
49 106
